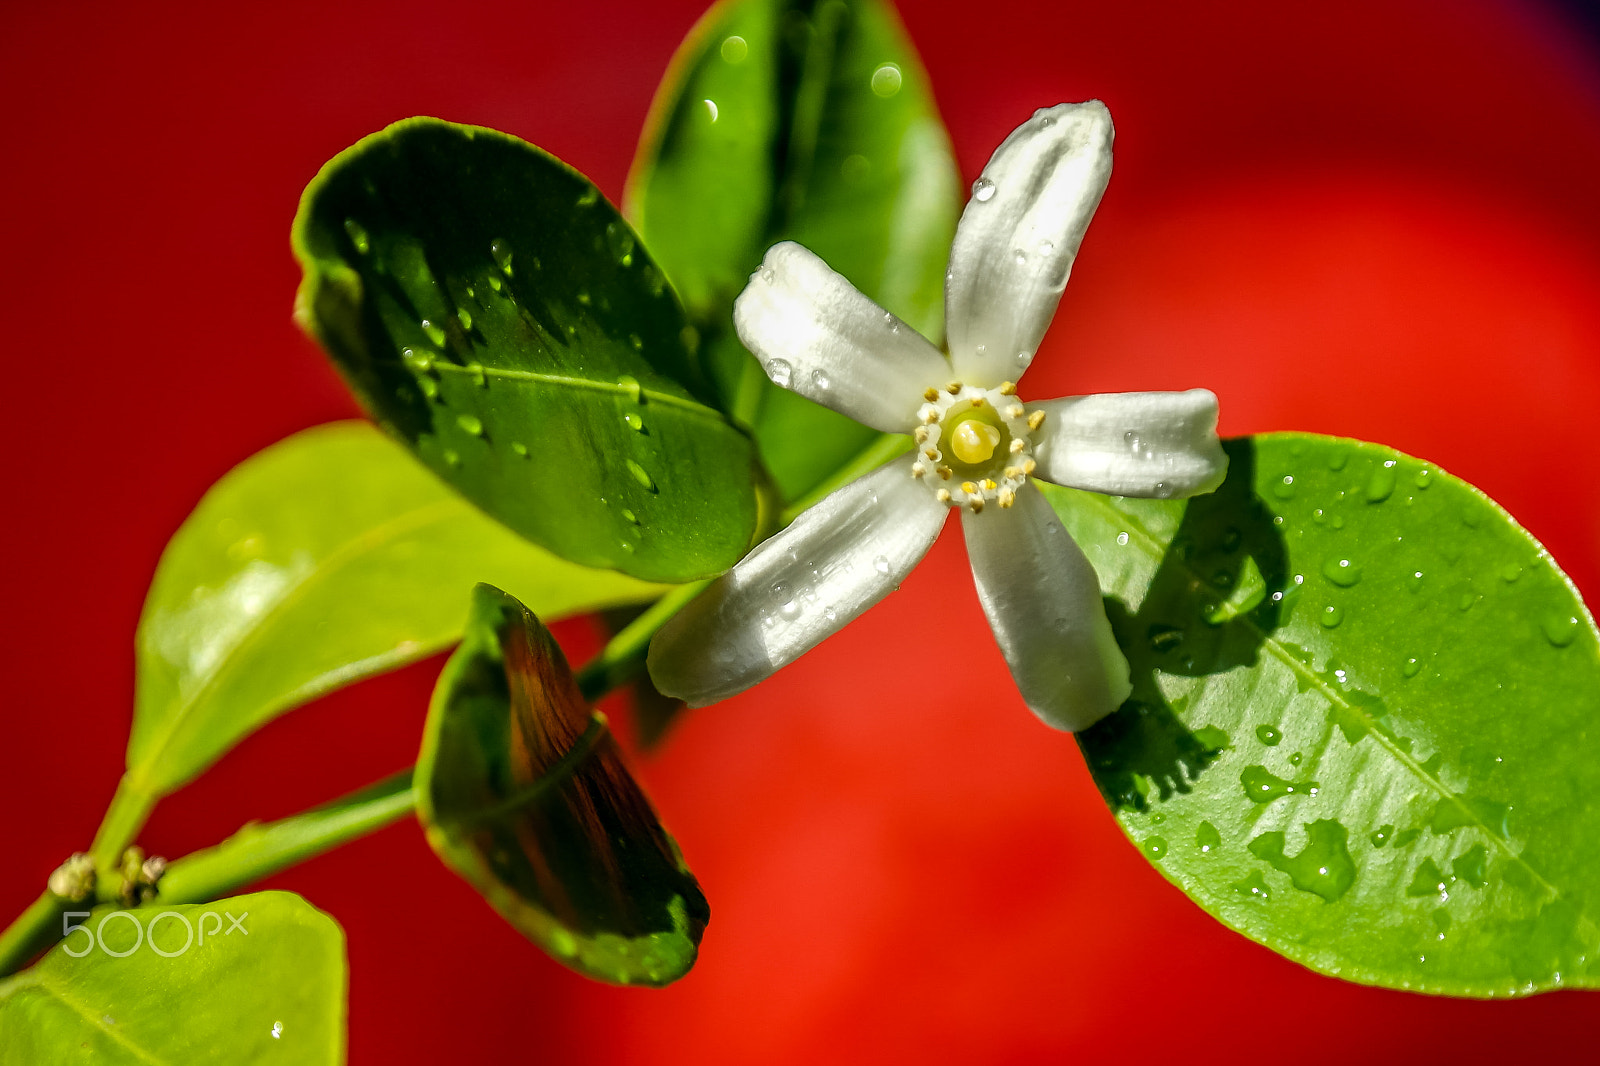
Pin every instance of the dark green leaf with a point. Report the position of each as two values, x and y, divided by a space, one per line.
523 792
245 981
494 312
327 558
807 121
1359 731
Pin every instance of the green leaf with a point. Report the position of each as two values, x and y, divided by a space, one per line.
523 792
1360 724
250 980
327 558
494 312
807 121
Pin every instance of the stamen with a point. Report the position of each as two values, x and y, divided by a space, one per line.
1036 420
918 470
1013 471
921 434
930 453
1016 445
931 395
1008 388
943 495
953 388
989 484
977 401
969 488
976 503
1029 466
944 472
1007 497
1016 410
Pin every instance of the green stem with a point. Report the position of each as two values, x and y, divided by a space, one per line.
130 809
883 448
622 658
33 931
259 851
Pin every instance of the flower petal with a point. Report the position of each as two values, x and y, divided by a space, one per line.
816 334
837 559
1043 603
1157 444
1018 237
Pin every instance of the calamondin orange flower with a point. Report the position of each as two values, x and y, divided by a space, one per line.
978 443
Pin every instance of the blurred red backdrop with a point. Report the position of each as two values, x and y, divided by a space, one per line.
1378 219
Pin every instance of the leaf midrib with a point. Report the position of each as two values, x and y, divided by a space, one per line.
341 556
541 377
1152 545
33 980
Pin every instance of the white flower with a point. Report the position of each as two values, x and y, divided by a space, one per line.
977 443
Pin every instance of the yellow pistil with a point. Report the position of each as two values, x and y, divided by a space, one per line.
974 442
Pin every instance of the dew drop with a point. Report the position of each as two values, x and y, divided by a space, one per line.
1410 667
435 333
630 385
1284 488
640 474
830 614
635 423
1155 847
1122 538
495 283
983 190
1331 616
1206 838
358 236
1382 836
630 516
790 609
464 317
429 387
1381 484
1020 256
886 80
620 241
1423 478
881 564
1559 629
636 342
451 458
520 448
821 380
1046 247
734 49
1341 572
1268 735
418 359
471 424
780 372
500 252
711 108
1163 638
1023 359
589 197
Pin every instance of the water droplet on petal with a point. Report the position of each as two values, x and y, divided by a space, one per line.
1410 667
881 564
435 332
500 252
1341 572
780 372
983 190
358 236
1331 616
711 108
821 380
464 317
1559 629
634 422
470 424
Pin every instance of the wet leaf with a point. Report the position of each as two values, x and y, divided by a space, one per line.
1378 763
329 557
806 121
523 792
494 312
246 981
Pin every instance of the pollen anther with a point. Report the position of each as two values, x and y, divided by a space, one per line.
1036 420
969 488
953 388
1016 410
931 395
977 504
1029 466
943 495
1016 445
1008 388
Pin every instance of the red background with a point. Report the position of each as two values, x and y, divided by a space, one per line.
1378 219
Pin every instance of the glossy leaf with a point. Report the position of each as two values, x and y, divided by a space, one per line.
246 981
806 121
494 312
329 557
1361 724
523 792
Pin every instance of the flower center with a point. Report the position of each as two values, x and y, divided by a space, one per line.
974 446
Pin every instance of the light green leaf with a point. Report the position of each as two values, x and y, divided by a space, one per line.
807 121
495 313
246 981
1360 731
523 792
327 558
